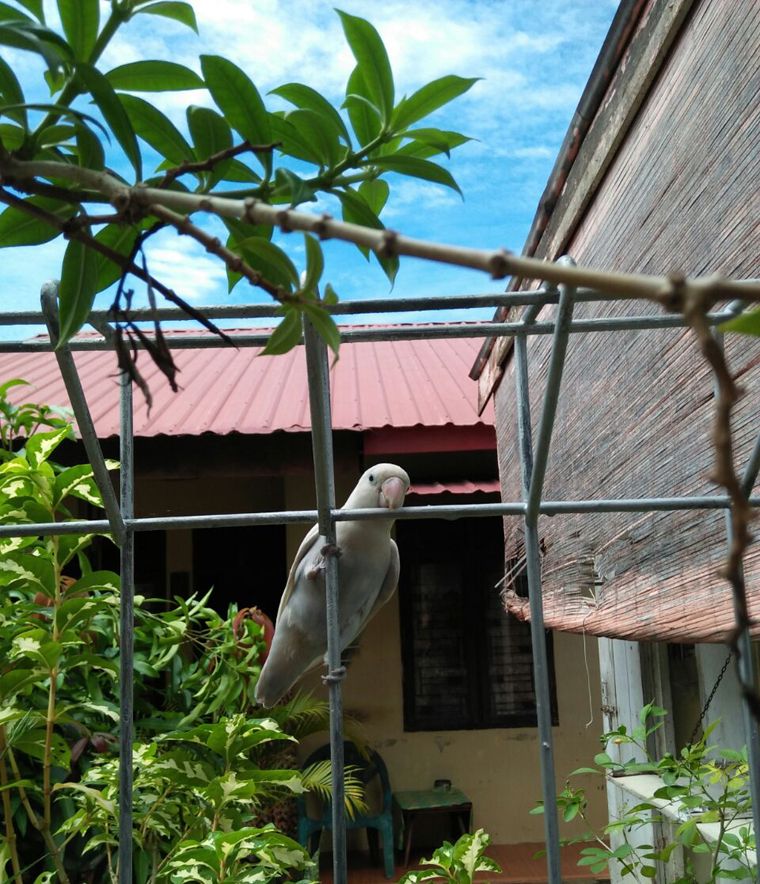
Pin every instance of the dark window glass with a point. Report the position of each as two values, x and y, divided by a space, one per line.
467 664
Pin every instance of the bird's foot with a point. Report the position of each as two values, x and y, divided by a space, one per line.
329 549
335 676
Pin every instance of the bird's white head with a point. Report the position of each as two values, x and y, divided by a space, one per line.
384 485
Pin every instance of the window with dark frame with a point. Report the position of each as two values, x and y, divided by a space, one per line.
467 664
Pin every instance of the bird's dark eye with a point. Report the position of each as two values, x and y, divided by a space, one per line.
372 477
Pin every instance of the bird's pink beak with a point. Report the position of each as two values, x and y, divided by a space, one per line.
392 492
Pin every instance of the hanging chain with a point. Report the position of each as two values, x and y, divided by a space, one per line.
709 699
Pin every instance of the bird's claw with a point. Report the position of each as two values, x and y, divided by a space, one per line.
329 549
334 676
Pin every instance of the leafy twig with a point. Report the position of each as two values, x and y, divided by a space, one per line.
220 156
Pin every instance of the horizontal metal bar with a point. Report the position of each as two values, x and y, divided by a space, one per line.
342 308
537 298
448 511
394 333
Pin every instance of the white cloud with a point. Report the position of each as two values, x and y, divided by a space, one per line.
181 264
410 195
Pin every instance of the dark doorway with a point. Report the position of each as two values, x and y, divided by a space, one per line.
245 566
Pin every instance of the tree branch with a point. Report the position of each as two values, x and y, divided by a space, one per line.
213 245
498 263
208 164
724 473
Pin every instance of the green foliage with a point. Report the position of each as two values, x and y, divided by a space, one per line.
199 774
285 157
457 863
702 784
747 323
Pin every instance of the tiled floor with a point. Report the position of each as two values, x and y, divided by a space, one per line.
516 860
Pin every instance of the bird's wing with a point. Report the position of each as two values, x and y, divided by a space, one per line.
306 544
390 582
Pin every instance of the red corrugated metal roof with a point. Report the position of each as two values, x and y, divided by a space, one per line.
462 486
223 390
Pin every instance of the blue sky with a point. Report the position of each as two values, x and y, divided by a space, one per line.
534 56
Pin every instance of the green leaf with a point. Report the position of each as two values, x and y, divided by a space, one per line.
356 211
372 61
181 12
237 98
286 336
417 168
330 296
429 98
11 93
36 572
35 7
309 99
56 134
53 41
120 238
295 187
315 263
17 228
89 148
375 194
440 140
156 130
79 277
364 117
60 110
12 137
210 134
746 323
10 13
80 20
153 76
269 260
426 148
49 45
324 324
292 141
113 110
320 134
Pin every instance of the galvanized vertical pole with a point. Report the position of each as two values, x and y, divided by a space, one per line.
321 435
68 369
532 474
746 664
126 633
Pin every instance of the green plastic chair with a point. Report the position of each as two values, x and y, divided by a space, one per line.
366 769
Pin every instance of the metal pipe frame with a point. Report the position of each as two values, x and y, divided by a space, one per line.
126 630
68 369
123 525
324 472
547 294
442 511
417 332
533 471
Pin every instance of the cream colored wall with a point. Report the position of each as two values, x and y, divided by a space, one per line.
498 769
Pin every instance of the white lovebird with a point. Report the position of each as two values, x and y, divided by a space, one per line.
368 569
